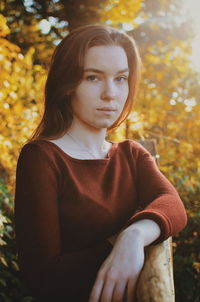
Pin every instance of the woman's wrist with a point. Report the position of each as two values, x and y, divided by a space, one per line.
127 237
145 230
132 235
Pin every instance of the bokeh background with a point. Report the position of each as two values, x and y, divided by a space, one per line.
167 110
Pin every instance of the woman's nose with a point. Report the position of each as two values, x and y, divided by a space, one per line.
109 91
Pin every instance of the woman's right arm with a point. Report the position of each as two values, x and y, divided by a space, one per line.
47 270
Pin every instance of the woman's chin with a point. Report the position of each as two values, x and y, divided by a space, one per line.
105 124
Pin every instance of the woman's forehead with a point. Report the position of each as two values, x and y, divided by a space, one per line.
106 57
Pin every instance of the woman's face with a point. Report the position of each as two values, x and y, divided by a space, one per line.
100 97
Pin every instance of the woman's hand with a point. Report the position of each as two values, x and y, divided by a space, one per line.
119 272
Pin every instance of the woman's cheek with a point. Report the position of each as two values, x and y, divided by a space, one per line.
125 95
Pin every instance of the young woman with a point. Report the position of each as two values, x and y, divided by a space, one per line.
85 207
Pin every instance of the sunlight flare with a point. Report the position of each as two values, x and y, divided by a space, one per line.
192 9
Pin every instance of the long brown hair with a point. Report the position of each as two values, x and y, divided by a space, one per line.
66 72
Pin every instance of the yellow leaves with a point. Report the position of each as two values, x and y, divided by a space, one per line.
2 242
198 167
21 82
120 11
3 261
28 58
197 266
187 147
15 265
136 123
133 126
5 150
18 108
8 49
4 30
172 125
2 218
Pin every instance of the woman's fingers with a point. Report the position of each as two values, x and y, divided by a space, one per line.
119 291
116 272
96 290
107 289
131 290
107 292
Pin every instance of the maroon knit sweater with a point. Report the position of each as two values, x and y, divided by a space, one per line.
66 208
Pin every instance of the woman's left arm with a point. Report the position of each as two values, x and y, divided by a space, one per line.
160 214
158 200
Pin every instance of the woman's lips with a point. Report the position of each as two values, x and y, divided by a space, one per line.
107 109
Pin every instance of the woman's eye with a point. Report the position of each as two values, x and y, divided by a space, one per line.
92 78
122 79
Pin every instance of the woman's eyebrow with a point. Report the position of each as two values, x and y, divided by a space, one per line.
100 71
123 70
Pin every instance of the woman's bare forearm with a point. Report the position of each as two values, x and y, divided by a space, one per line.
147 230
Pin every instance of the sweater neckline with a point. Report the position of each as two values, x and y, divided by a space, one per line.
92 160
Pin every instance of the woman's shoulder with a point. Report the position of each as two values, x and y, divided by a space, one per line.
134 151
39 151
36 160
129 142
36 146
132 146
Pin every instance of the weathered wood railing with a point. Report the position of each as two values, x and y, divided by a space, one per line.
156 283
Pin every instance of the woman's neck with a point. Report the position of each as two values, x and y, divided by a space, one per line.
87 139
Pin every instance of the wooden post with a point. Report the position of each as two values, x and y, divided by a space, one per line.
156 283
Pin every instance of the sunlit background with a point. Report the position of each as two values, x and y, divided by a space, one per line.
192 12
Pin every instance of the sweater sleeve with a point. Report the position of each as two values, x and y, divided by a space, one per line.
46 269
158 199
